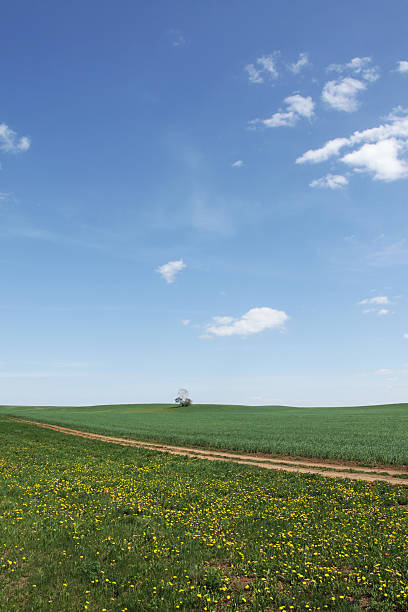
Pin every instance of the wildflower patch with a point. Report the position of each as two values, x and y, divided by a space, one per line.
90 526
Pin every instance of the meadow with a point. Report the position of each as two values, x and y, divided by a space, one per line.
91 526
367 434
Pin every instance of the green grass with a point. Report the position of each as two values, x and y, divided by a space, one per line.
367 434
91 526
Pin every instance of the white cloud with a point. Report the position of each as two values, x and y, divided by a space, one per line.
358 65
405 336
380 159
386 160
223 320
264 67
4 195
281 120
376 302
268 65
342 94
302 62
297 106
314 156
254 75
402 66
378 299
10 143
303 106
379 311
397 127
185 321
238 164
169 270
330 181
254 321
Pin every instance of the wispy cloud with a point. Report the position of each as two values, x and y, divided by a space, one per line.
330 181
30 374
383 372
297 106
176 38
10 142
263 68
375 305
394 254
238 164
361 66
71 364
383 154
379 311
36 234
256 320
378 299
170 270
254 75
402 371
210 216
342 94
301 63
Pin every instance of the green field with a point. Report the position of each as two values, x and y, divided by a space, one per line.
92 526
368 434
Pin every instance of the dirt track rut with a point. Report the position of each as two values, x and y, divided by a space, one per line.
287 464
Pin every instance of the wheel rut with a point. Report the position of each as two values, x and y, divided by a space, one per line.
287 464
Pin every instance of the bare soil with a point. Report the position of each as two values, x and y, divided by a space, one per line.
303 465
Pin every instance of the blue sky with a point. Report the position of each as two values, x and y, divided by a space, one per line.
204 195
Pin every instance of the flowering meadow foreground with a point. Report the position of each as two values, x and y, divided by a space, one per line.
91 526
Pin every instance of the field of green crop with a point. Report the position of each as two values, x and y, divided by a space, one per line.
368 434
91 526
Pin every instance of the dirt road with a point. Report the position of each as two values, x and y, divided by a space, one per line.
287 464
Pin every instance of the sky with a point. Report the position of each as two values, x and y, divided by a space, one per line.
208 195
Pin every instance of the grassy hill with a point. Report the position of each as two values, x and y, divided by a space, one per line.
368 434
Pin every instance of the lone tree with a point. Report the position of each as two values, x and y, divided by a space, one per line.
182 398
